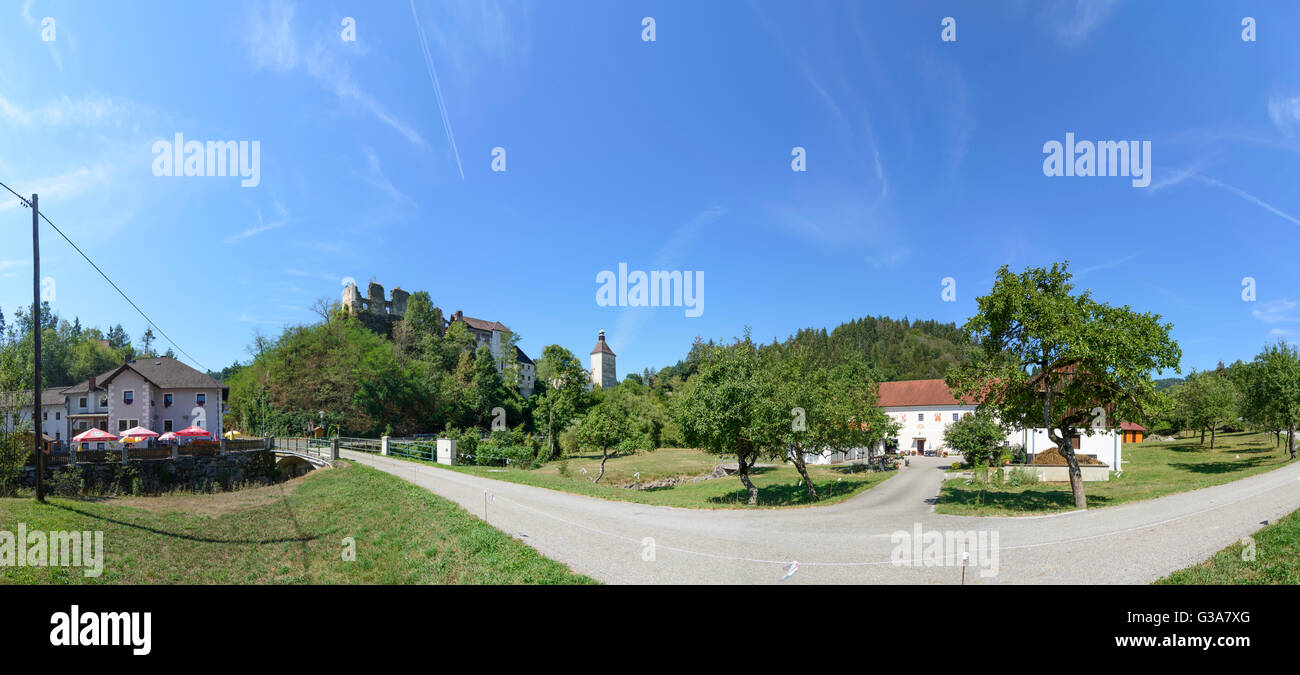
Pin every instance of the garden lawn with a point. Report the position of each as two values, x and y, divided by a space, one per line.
290 533
1151 469
1277 560
778 485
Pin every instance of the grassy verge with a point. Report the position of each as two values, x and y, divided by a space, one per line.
1277 560
778 486
1151 469
287 534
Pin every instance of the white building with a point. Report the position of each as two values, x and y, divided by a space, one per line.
493 334
16 412
924 409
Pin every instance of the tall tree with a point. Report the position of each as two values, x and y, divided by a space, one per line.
609 424
1272 399
1048 358
566 382
1207 400
730 407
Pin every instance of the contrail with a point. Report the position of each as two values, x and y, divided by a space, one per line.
437 90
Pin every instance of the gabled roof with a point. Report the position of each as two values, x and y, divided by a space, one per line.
918 392
23 399
601 346
521 357
1131 426
165 373
481 324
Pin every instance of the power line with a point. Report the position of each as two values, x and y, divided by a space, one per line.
110 281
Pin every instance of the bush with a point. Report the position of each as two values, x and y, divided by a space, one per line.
1021 476
14 448
956 466
569 440
1018 454
66 481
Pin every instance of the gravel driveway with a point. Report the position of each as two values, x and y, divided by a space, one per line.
871 538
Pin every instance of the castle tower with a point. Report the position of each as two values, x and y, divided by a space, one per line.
398 305
376 300
352 298
603 373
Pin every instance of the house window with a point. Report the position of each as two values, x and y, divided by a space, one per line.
1074 442
45 416
167 426
956 416
58 416
82 402
103 401
167 400
128 397
99 446
201 399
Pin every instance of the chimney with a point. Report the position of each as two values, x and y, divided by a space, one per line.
92 383
460 316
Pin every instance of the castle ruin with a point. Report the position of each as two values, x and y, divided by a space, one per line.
373 310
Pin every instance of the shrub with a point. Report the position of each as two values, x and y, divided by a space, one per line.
1021 476
569 440
66 481
956 466
563 468
14 448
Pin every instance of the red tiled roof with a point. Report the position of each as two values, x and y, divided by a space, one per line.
1131 426
601 347
480 324
918 392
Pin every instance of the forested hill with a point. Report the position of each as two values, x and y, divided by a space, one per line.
898 349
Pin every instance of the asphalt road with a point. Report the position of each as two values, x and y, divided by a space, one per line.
871 538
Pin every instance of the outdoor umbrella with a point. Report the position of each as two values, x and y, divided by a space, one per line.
138 433
94 436
192 432
169 436
232 435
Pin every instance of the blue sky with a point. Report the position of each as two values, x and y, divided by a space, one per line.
924 161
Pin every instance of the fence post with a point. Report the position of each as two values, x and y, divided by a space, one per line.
175 450
334 449
223 446
383 446
72 454
124 447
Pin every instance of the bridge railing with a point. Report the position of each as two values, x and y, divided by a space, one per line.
319 447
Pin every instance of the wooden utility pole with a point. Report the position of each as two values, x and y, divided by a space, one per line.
36 340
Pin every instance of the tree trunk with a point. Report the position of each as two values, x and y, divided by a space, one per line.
604 455
1290 440
803 471
1202 435
1211 438
743 472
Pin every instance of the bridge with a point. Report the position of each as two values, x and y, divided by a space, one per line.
296 456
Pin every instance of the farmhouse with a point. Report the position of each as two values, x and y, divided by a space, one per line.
924 409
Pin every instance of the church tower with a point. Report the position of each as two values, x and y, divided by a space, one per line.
603 373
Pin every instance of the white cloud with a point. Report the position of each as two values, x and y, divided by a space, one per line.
84 111
273 46
282 217
1277 311
1075 21
1285 114
74 182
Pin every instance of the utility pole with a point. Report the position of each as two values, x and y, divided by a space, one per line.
36 339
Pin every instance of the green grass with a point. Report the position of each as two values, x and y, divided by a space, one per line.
1277 560
1151 469
290 533
778 486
